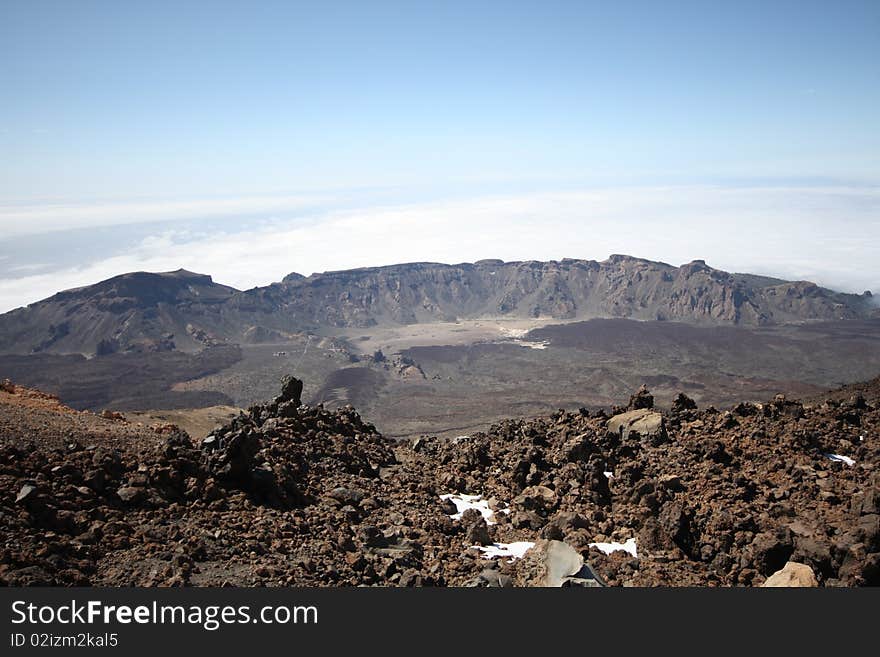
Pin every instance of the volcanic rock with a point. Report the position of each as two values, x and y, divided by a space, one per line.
792 575
536 498
477 531
491 578
683 403
293 495
291 391
27 492
771 550
554 564
638 423
130 494
642 399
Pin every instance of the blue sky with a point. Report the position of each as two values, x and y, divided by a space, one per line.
113 107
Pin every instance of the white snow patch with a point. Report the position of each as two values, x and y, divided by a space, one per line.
531 345
463 502
840 457
512 550
608 548
515 337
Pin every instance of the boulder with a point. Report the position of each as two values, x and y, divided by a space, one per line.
291 390
130 494
642 422
683 403
792 575
565 521
342 496
536 498
814 552
671 482
478 533
669 530
771 551
555 564
642 399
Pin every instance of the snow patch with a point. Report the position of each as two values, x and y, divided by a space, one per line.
608 548
840 457
515 337
513 550
463 502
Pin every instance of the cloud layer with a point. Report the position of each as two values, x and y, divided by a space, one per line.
28 219
830 235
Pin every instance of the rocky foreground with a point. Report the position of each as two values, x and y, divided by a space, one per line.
291 495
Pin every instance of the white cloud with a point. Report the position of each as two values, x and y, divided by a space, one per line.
829 235
34 266
25 219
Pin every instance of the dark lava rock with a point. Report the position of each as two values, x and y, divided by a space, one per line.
292 495
477 533
771 551
537 498
345 496
291 391
683 403
642 399
130 494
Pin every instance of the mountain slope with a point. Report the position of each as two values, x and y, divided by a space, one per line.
186 311
133 312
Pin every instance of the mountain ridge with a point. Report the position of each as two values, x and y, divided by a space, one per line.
145 311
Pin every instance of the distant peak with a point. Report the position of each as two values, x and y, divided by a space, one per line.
620 258
695 266
185 273
177 273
